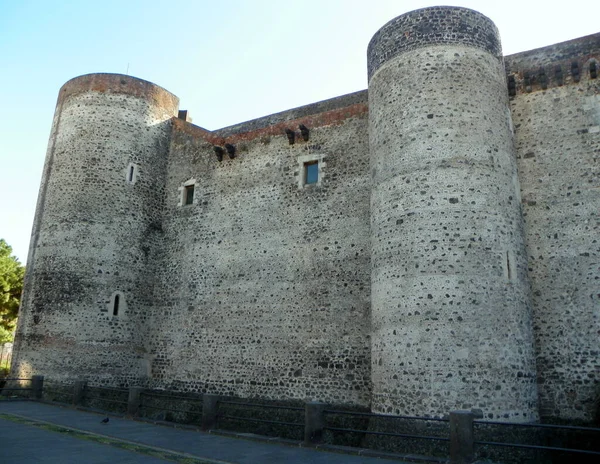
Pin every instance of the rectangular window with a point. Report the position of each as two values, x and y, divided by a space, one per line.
189 194
311 171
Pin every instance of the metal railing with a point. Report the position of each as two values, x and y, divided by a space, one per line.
384 416
87 393
260 406
58 392
6 389
149 393
35 388
463 434
540 427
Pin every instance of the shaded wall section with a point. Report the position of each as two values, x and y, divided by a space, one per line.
100 204
556 113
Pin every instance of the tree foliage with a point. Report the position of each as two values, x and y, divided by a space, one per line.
6 336
11 285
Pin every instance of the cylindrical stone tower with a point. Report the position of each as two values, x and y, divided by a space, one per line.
89 273
450 297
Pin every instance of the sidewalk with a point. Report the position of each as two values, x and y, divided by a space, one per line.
32 432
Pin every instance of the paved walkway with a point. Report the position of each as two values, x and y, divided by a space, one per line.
33 432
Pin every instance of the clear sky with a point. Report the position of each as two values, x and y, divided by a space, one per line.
227 60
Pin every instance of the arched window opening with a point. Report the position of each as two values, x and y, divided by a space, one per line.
116 306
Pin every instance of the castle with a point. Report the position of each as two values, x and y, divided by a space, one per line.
427 245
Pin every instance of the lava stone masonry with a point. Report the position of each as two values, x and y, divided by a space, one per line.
93 232
449 279
445 257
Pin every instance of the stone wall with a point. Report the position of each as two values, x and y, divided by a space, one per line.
449 277
558 142
99 209
265 283
264 286
433 26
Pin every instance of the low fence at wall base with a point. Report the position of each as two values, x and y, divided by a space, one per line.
462 436
12 388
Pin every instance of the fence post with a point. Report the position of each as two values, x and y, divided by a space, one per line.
210 411
314 422
134 400
79 392
37 386
461 437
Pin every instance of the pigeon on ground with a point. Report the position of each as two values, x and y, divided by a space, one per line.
105 420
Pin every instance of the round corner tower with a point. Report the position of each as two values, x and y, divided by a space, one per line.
98 218
451 311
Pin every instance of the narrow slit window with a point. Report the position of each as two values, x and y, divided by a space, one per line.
510 266
311 172
116 306
188 195
132 173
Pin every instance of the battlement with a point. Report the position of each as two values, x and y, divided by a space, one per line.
329 106
565 63
539 69
325 113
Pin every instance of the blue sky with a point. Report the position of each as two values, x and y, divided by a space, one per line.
228 61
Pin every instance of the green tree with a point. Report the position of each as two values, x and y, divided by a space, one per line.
6 336
11 285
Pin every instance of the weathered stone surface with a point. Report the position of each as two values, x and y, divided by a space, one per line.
449 276
275 300
432 26
414 250
94 232
558 144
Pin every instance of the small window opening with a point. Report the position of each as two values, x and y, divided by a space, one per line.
189 195
116 306
311 172
132 173
593 70
575 71
510 266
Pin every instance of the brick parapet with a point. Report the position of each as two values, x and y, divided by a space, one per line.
295 114
196 132
278 123
120 84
